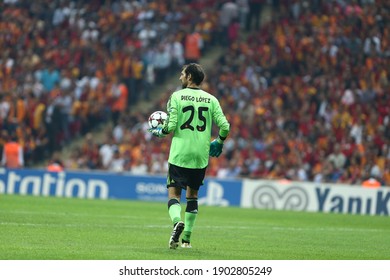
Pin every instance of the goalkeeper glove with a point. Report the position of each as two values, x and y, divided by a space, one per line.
216 147
157 132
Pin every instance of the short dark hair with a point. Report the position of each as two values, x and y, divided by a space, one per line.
196 71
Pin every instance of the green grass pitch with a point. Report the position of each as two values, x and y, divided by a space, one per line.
48 228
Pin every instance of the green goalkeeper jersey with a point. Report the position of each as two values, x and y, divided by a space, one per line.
191 113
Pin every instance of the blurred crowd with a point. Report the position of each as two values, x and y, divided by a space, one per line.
306 93
308 96
67 66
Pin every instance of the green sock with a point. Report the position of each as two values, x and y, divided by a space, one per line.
175 212
189 221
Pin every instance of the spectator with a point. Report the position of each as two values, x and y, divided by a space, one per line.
162 63
49 77
55 164
371 183
12 154
147 35
254 15
140 167
337 157
229 12
243 10
106 151
193 44
117 163
159 164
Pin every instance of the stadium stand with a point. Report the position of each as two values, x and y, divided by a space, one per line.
307 93
68 66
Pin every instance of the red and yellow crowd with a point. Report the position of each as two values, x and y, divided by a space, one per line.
68 66
307 93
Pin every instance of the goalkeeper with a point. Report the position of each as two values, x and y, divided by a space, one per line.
191 113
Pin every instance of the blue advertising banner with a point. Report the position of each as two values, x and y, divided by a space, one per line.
268 194
315 197
101 185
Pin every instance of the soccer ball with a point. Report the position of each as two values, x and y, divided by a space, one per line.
157 119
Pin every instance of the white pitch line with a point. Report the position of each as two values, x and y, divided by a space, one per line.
68 214
81 225
274 228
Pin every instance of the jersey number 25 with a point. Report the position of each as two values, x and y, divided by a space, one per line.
187 124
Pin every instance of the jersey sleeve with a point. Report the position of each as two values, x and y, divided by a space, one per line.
171 122
220 120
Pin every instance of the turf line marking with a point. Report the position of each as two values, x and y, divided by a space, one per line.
341 229
82 225
274 228
67 214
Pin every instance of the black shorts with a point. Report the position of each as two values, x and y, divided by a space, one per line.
183 177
